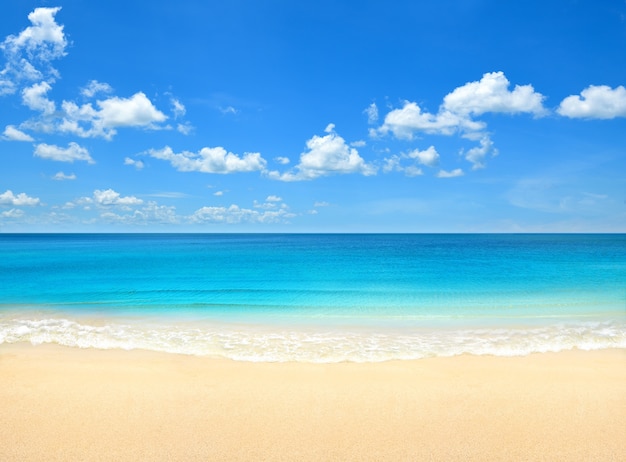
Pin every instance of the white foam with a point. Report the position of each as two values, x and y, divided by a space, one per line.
313 344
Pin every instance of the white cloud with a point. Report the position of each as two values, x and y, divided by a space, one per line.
456 115
282 160
394 163
178 108
110 197
151 213
210 160
273 199
28 70
218 193
6 85
19 200
70 154
229 110
595 102
185 128
358 144
408 120
326 155
428 157
44 40
491 94
477 155
60 176
13 134
37 45
136 111
321 204
269 204
94 87
412 170
12 213
450 174
135 163
235 214
34 97
372 113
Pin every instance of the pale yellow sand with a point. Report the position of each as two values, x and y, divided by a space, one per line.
69 404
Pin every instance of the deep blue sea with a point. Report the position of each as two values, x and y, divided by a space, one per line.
315 297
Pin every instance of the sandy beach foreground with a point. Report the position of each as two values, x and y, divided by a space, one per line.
70 404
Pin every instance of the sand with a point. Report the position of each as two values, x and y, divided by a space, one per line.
69 404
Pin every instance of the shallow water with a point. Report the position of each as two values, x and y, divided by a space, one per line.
315 297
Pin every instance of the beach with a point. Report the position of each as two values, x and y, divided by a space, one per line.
62 403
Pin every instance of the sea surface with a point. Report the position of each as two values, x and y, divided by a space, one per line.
315 297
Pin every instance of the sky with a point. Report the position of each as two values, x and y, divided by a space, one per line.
327 116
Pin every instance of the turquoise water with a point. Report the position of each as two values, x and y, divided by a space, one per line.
315 297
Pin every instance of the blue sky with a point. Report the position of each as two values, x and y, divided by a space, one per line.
342 116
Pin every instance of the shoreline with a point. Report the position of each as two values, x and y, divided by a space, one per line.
63 403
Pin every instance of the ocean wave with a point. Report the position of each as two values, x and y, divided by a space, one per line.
316 345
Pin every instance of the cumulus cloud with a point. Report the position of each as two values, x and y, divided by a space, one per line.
271 203
429 157
109 197
34 97
372 113
150 213
94 87
595 102
70 154
405 122
184 128
12 213
408 162
326 155
86 121
394 163
457 115
18 200
43 40
178 108
491 94
30 53
135 163
60 176
13 134
450 174
235 214
210 160
28 70
477 154
282 160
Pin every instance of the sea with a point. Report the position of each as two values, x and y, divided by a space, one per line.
319 298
